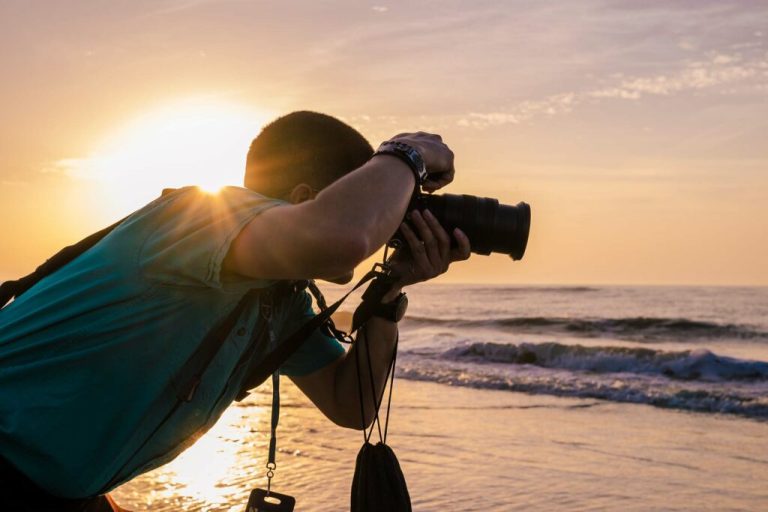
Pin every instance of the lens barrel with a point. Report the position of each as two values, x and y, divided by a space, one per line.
489 225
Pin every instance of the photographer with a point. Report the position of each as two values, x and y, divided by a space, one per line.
88 354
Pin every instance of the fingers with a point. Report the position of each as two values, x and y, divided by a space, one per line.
442 238
429 245
442 172
406 135
430 248
434 245
463 248
418 252
438 158
437 181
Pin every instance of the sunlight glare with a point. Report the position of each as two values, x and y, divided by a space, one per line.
206 469
187 143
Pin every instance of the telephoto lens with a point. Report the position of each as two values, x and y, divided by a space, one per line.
489 225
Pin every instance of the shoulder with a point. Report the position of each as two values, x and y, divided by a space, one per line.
223 199
184 235
190 206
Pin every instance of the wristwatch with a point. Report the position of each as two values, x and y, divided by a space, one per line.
393 311
407 154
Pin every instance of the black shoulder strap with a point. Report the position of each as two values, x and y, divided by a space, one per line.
11 289
275 359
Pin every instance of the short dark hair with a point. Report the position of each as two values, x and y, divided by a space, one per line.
303 147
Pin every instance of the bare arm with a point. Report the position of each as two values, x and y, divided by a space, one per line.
347 222
334 389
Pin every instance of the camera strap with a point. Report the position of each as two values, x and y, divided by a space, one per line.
381 281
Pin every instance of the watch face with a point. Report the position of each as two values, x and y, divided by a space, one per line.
418 162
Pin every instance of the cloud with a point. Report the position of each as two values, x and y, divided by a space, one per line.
72 167
720 71
176 6
550 106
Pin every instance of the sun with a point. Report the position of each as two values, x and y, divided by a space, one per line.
190 142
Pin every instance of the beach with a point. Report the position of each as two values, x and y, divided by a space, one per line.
524 398
477 450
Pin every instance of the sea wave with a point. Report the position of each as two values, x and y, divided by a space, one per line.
701 398
699 364
696 380
631 328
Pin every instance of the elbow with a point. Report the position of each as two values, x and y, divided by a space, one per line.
354 423
345 411
342 253
355 250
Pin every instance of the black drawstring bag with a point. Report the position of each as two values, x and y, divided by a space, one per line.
379 484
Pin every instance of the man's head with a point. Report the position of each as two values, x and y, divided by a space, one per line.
303 148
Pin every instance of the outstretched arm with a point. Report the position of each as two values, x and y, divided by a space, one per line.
334 389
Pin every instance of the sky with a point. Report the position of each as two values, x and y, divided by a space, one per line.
636 130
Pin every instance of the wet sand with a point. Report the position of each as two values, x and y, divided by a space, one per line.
476 450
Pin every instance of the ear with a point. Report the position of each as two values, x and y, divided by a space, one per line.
300 193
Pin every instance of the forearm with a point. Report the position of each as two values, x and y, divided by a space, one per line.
377 341
367 204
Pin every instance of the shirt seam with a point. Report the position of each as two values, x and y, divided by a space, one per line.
217 257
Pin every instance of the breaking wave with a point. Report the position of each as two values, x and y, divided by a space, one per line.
697 364
696 380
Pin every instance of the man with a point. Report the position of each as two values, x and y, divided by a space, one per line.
89 356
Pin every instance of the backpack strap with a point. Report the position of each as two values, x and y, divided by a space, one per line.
188 379
13 289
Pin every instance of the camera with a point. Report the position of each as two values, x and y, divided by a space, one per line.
489 225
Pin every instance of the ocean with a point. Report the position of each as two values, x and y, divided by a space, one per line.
688 348
525 397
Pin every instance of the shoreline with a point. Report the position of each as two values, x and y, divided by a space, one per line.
486 449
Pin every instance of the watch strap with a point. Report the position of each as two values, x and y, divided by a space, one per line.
407 154
392 311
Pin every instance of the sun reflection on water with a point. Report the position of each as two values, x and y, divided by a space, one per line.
211 470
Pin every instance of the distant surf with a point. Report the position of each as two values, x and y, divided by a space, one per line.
631 328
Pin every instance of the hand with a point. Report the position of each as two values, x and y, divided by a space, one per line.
438 158
429 252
